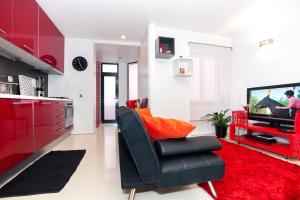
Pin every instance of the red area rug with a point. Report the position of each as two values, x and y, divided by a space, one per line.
251 175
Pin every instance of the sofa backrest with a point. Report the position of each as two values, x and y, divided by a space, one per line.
139 144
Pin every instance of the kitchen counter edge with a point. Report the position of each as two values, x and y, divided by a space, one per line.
11 96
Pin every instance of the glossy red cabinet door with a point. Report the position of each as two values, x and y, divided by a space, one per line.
51 42
6 16
25 25
60 51
49 122
43 123
59 119
16 132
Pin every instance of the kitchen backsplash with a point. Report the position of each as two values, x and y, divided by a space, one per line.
15 68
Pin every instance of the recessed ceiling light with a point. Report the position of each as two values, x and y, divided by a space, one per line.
123 37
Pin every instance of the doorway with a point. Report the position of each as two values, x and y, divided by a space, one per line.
109 91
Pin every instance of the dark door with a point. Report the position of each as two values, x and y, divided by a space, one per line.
109 92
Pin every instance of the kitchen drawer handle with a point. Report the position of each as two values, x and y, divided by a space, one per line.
2 31
22 103
46 103
47 61
62 109
60 123
59 130
28 48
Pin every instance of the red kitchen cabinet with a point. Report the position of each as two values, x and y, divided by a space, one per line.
59 119
43 120
25 25
49 122
6 22
16 132
51 42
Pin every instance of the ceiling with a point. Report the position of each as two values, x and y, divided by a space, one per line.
113 53
109 19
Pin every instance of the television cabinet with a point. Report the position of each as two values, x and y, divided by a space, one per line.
244 132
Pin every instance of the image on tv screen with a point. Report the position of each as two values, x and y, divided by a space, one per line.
268 101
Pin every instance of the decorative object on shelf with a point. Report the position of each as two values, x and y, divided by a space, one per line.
220 121
183 66
26 85
164 47
80 63
181 70
6 84
7 88
246 108
240 117
161 48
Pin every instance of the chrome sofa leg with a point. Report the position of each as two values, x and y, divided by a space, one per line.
212 189
131 194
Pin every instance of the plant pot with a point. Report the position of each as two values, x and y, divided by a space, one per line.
221 131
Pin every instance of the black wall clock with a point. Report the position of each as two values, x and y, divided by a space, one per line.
79 63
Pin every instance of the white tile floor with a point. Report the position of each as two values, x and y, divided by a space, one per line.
98 176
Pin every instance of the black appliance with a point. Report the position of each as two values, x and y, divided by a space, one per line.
39 89
266 138
69 113
262 102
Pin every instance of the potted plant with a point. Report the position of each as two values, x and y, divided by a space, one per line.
220 121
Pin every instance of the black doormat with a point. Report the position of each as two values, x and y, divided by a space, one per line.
49 174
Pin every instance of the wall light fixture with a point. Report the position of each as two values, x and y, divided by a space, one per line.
266 42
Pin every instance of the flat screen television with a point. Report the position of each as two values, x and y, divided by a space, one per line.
262 102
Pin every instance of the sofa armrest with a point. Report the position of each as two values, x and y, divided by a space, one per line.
190 145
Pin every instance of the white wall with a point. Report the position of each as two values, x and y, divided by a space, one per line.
122 84
133 81
170 96
276 63
143 69
74 83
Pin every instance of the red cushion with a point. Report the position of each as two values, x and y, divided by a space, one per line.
131 104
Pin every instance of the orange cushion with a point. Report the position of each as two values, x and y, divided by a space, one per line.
143 111
161 129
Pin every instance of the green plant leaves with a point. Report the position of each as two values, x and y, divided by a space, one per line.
218 118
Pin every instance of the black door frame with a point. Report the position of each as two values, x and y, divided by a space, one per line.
128 77
102 90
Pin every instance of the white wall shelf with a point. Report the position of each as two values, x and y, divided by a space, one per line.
183 67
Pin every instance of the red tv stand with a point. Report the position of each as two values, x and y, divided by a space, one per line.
241 131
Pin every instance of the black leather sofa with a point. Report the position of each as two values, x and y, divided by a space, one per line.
166 163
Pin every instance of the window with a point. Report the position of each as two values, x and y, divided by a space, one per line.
110 68
204 80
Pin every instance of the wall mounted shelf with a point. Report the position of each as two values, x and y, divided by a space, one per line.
183 67
164 47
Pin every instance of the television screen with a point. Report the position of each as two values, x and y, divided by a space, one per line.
271 101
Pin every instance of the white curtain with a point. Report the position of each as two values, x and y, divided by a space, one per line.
211 81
